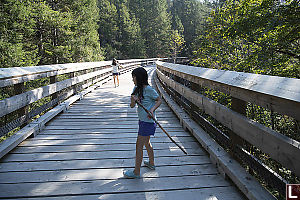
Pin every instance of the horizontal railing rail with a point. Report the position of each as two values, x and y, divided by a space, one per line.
17 109
15 75
278 94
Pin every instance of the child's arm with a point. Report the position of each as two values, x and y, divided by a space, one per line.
157 104
133 100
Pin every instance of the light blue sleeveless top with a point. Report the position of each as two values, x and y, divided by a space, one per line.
150 95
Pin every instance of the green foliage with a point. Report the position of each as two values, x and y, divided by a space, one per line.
108 28
119 31
131 38
176 43
252 36
188 18
16 28
48 32
257 36
85 43
155 25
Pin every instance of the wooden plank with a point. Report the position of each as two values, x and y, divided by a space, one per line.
158 132
98 163
111 115
110 110
224 193
104 126
84 174
67 164
15 75
38 124
111 107
279 147
112 119
106 104
13 103
129 117
107 127
109 186
279 94
100 104
98 148
82 136
14 140
243 180
112 135
89 122
55 69
103 141
14 157
78 121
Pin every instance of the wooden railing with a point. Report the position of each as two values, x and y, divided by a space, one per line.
278 94
22 107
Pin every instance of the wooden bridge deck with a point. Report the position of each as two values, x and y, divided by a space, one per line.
81 155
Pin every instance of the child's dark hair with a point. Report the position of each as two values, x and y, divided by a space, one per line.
141 79
114 61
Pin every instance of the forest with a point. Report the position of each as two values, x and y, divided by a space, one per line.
254 36
257 36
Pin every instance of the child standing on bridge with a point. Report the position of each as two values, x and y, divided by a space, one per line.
115 65
149 98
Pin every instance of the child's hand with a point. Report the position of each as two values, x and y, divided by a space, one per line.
152 114
134 98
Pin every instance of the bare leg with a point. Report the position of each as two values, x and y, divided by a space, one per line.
149 149
118 80
114 80
140 142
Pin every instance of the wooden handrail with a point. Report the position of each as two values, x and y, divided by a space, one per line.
281 148
12 76
15 75
89 74
278 94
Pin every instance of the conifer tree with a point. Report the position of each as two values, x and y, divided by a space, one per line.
109 29
155 25
192 14
131 38
86 45
16 28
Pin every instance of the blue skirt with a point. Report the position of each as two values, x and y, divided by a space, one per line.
146 128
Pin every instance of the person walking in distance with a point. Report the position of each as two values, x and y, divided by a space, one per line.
149 98
116 65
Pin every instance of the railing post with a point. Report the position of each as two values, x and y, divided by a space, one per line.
74 87
19 89
53 79
195 87
239 106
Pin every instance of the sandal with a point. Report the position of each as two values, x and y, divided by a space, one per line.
149 165
130 174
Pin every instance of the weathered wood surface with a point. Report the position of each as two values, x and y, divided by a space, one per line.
15 75
279 147
250 187
81 155
279 94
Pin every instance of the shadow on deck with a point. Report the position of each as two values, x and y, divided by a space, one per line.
82 153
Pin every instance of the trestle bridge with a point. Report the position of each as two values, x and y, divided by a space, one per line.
74 133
